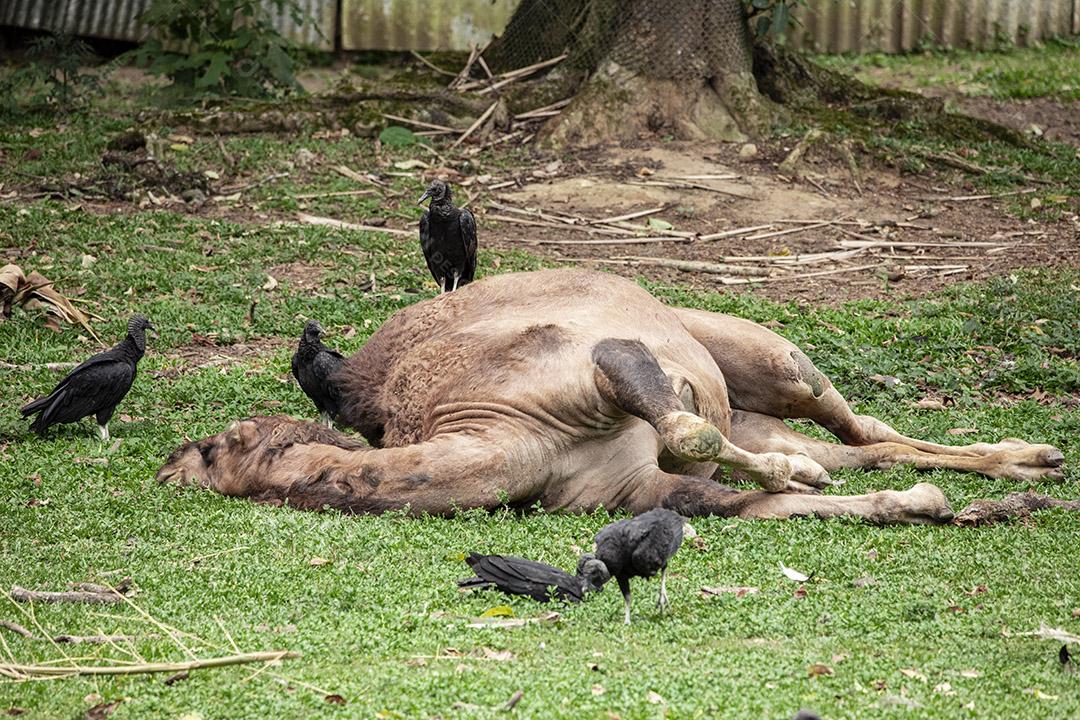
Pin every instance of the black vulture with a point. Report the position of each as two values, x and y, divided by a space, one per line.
448 238
518 576
313 366
96 387
640 547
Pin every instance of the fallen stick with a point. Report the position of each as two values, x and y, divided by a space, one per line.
645 228
699 177
735 232
847 244
546 108
692 186
17 629
1018 504
420 123
331 222
800 276
45 671
474 52
20 594
628 216
38 366
988 196
251 185
1049 633
541 223
472 128
789 231
336 193
432 65
696 266
484 66
619 241
515 75
568 219
499 186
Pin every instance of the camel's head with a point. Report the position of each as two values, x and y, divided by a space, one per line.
438 191
217 461
312 331
593 572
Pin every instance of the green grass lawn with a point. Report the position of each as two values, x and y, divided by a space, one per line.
382 623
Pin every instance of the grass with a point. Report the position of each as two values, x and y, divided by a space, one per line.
382 624
1050 70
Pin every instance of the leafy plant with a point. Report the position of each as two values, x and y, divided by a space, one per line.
52 79
226 48
771 17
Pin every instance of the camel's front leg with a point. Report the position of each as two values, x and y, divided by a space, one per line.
629 377
307 466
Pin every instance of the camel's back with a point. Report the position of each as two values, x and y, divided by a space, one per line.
508 336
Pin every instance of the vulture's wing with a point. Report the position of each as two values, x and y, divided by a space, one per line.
109 356
518 576
467 226
96 387
296 364
428 245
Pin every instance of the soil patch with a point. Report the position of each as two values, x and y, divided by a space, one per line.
203 351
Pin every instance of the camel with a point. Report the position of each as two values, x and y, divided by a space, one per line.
572 389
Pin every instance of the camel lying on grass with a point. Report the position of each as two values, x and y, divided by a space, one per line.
576 389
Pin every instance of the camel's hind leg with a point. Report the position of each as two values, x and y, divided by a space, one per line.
763 433
766 374
629 377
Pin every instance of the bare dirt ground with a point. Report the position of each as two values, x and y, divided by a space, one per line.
924 238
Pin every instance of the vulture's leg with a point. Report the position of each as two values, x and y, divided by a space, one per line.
769 375
694 496
624 586
457 276
628 376
281 460
103 418
764 433
662 602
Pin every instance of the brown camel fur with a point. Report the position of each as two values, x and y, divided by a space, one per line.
576 389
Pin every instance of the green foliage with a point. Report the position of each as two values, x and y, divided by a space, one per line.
227 48
51 80
771 18
397 136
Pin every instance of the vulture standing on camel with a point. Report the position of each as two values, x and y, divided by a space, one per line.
640 547
448 238
313 365
518 576
96 387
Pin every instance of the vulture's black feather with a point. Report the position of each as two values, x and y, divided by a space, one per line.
518 576
313 366
448 239
96 387
640 547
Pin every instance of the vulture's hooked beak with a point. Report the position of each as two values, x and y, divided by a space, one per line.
425 196
153 332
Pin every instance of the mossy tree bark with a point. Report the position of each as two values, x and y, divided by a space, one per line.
682 68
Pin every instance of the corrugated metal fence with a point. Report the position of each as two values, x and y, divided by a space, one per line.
828 25
893 26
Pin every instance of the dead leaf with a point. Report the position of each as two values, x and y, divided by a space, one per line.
736 590
87 260
1040 695
410 164
930 404
102 710
971 673
270 284
178 677
866 581
913 673
800 593
886 380
944 688
335 699
15 710
514 700
318 561
793 574
496 655
871 554
961 431
598 689
977 590
819 669
498 611
655 698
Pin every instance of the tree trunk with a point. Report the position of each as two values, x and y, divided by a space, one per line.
679 68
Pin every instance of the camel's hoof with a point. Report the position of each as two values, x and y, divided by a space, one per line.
925 504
